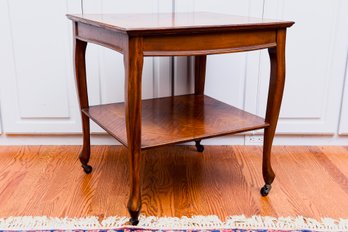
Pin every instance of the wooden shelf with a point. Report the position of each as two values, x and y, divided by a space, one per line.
176 119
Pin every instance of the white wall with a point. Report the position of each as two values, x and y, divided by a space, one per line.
37 92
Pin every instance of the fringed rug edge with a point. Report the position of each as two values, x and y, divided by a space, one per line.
173 223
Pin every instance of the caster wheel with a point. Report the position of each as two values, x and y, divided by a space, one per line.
134 221
199 147
87 168
265 190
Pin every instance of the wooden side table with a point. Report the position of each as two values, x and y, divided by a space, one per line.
140 125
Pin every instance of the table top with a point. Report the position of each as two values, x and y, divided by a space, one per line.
176 22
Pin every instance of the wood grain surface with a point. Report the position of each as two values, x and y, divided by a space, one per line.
176 119
185 21
178 181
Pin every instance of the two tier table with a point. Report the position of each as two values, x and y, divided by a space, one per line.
143 124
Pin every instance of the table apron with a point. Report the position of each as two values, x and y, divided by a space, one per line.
209 43
181 44
104 37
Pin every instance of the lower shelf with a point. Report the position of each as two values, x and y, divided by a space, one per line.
176 119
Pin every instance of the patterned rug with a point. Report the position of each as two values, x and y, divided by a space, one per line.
167 224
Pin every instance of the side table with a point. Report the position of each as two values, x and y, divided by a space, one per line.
142 124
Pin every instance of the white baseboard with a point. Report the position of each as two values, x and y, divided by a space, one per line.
103 139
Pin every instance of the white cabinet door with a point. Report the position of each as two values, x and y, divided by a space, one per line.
105 69
227 75
0 119
36 66
0 106
343 130
37 81
105 66
315 56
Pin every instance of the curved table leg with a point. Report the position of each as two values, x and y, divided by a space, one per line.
275 95
133 60
200 69
81 85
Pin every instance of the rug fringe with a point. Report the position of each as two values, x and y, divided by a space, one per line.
195 222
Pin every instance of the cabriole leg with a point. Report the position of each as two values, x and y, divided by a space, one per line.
275 95
133 60
200 69
81 85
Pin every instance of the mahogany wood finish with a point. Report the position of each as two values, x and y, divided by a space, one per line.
275 95
178 181
200 69
178 23
81 85
176 119
133 62
208 43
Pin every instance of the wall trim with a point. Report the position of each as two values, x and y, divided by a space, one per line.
241 139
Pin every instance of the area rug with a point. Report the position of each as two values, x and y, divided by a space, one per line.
167 224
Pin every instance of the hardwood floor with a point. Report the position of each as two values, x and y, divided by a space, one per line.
223 180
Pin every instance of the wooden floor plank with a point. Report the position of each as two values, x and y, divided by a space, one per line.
307 185
178 181
338 157
250 162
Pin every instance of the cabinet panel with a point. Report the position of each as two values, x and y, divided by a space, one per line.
315 65
37 67
111 63
6 59
226 76
163 66
110 74
41 61
162 77
105 70
343 129
0 117
39 95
